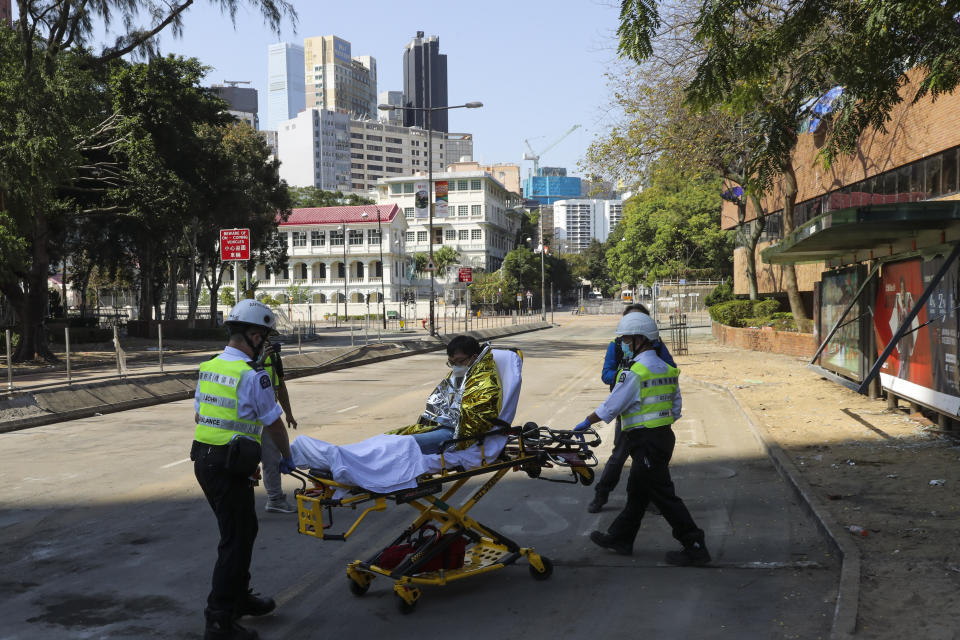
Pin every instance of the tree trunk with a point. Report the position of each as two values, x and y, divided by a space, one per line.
760 223
170 313
33 336
789 272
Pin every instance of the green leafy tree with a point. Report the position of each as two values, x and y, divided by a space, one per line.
671 230
54 127
444 259
226 296
420 261
520 273
303 197
298 294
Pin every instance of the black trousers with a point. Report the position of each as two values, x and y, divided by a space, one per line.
231 498
649 481
614 467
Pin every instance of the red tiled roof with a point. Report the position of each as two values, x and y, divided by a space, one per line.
336 215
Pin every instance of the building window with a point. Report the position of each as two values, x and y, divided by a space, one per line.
421 236
299 238
950 170
408 187
476 209
476 185
375 138
373 236
340 270
450 234
464 234
317 238
396 188
463 210
476 234
336 238
408 212
283 238
356 237
374 167
409 236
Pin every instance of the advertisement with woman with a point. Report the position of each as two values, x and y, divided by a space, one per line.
901 284
843 354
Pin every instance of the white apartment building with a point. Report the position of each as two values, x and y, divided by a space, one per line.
337 249
483 220
577 222
314 150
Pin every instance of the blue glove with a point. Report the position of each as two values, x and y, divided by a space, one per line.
286 465
583 426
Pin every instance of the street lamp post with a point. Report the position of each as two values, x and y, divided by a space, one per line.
346 270
543 309
428 111
383 300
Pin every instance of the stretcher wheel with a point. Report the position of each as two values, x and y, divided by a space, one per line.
547 569
358 589
405 607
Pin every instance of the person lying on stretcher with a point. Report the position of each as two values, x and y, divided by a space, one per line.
471 395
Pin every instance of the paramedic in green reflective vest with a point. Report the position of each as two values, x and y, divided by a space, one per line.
647 399
234 404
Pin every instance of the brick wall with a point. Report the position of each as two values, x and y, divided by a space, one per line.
801 345
913 132
770 276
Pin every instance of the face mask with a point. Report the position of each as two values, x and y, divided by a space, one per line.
627 350
460 371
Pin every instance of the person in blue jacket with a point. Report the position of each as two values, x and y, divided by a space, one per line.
611 366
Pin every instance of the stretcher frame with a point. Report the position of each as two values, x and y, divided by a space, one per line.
530 449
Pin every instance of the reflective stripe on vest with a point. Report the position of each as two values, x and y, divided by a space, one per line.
654 405
218 400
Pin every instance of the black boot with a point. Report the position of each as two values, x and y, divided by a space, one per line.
599 499
693 554
223 626
253 605
607 541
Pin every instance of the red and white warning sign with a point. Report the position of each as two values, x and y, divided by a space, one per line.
234 244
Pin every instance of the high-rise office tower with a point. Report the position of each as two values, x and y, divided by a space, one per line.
425 82
338 81
5 14
285 83
394 98
242 101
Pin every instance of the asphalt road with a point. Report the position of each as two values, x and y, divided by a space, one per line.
105 534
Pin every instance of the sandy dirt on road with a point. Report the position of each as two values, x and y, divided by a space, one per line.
892 473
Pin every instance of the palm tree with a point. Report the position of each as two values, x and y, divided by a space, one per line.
444 258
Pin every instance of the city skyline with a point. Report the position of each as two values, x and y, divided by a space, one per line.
560 64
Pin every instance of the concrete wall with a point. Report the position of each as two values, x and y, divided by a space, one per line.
801 345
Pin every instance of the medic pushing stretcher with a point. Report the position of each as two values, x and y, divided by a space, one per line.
443 543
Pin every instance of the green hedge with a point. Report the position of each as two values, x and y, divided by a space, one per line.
723 292
744 313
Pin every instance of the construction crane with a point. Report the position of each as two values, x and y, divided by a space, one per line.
234 83
533 155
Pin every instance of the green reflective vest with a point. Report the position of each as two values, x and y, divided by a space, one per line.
655 394
219 380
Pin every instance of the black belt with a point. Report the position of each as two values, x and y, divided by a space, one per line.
202 450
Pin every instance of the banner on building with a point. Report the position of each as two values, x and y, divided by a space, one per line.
441 188
844 353
421 199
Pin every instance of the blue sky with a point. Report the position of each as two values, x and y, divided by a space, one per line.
538 66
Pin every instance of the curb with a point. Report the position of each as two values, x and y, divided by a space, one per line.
188 379
848 592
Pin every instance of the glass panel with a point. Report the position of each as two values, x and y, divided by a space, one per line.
903 184
396 188
934 168
949 183
408 187
889 183
917 189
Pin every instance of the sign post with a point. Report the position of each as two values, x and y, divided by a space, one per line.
235 247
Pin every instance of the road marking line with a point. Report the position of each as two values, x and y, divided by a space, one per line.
173 464
348 408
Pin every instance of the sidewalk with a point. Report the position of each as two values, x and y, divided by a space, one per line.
868 467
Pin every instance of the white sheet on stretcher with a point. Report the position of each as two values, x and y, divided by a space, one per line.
386 463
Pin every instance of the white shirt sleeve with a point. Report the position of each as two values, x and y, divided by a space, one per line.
677 405
622 396
255 399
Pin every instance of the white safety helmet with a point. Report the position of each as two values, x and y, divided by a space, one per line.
638 324
252 313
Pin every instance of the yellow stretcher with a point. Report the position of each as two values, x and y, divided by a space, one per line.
444 542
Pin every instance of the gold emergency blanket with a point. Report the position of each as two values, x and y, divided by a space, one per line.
479 403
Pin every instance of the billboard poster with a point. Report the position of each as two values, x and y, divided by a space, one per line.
942 330
441 189
901 284
843 354
421 199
